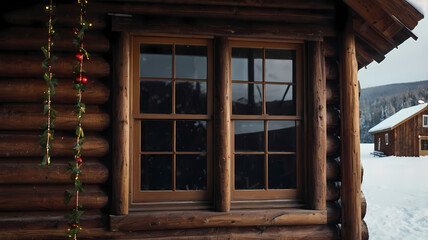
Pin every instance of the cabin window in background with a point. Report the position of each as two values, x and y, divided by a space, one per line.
424 144
172 119
266 120
425 120
378 144
386 139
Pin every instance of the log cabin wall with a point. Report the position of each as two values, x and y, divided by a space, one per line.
407 135
388 149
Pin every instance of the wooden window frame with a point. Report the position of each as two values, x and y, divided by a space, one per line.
423 121
271 194
127 216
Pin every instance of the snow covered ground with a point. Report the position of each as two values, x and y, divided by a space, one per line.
396 189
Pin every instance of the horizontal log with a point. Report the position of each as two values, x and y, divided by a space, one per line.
333 144
26 38
333 169
333 190
332 117
31 90
19 172
197 219
27 145
330 47
16 65
332 91
35 198
318 232
48 220
331 69
363 205
333 212
364 231
30 117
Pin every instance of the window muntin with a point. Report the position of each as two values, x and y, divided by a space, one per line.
172 120
266 120
425 120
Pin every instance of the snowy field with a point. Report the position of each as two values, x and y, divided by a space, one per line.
396 189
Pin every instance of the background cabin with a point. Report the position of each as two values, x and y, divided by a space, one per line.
403 134
214 119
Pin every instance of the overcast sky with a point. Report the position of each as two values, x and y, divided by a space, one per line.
408 63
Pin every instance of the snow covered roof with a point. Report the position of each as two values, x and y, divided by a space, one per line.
398 117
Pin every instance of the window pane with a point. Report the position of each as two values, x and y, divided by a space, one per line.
156 172
156 61
247 64
191 136
191 97
280 99
249 172
279 65
282 136
249 136
191 62
282 172
155 97
191 172
247 98
156 136
424 144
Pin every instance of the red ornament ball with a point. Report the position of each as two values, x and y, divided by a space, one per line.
79 160
79 56
81 79
84 80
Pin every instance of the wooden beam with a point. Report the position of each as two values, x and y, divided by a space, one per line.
403 11
121 124
222 114
30 117
144 221
350 138
365 48
29 90
317 127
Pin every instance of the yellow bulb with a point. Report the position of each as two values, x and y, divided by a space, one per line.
47 7
90 24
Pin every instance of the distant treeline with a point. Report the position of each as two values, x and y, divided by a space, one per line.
379 103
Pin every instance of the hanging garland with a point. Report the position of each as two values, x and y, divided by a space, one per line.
48 126
79 86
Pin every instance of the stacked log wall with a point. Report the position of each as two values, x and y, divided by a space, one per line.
32 197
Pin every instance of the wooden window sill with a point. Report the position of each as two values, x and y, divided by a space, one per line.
139 221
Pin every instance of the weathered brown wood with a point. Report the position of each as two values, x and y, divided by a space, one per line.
222 113
30 117
333 212
15 65
333 191
27 145
330 47
34 198
333 169
331 69
332 90
317 127
332 117
333 145
350 138
14 171
364 30
318 232
363 47
18 221
363 205
121 124
218 27
31 90
26 38
198 219
403 11
364 231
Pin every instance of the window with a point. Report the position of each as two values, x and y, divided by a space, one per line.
172 108
386 139
425 120
424 144
266 120
378 144
172 114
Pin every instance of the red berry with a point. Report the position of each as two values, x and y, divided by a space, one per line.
79 160
84 80
79 56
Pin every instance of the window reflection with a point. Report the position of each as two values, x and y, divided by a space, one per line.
282 172
156 135
279 65
281 136
249 136
191 136
155 96
247 64
247 98
249 172
280 99
156 172
191 62
191 172
191 97
156 61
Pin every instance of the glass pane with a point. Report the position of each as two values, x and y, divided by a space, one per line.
424 144
191 136
247 98
191 97
156 61
156 136
156 172
249 136
249 172
282 136
279 65
280 100
155 97
247 64
282 172
191 62
191 172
